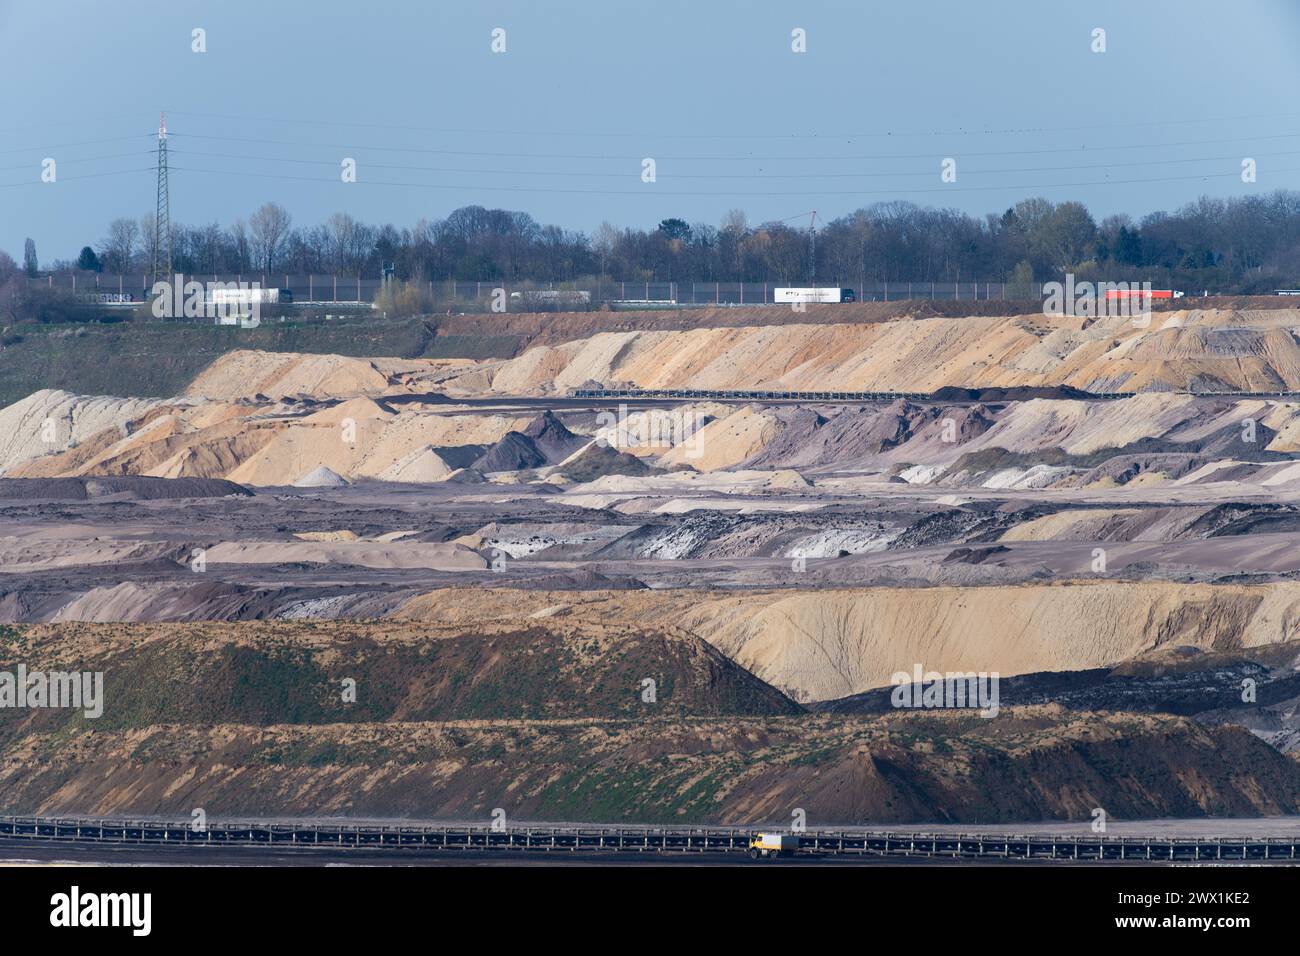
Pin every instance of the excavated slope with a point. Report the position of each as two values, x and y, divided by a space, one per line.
550 723
820 645
1200 350
1031 764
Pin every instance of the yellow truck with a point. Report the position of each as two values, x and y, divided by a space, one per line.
772 845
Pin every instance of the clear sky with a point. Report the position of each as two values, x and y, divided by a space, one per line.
558 125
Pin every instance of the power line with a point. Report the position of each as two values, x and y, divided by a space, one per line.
750 158
632 134
98 117
727 176
82 159
651 192
115 172
85 142
654 192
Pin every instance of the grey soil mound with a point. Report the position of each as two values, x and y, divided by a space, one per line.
465 476
599 460
514 452
811 438
126 486
974 555
460 456
581 581
1124 468
1020 393
544 442
551 438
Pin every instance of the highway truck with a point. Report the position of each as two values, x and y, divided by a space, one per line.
813 294
247 296
772 845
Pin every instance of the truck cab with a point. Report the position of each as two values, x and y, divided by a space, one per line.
771 845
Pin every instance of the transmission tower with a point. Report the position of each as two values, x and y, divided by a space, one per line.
162 236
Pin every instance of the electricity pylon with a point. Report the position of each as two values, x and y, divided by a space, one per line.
162 223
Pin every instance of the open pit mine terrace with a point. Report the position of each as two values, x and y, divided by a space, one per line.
503 549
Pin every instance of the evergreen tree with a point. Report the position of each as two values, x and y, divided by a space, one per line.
88 261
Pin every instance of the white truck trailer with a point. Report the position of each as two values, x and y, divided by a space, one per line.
813 294
247 296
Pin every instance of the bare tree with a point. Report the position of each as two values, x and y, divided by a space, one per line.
117 250
316 248
1245 244
208 247
240 245
350 242
604 243
148 239
734 221
268 229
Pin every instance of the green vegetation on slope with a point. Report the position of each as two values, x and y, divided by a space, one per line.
549 722
1027 764
263 673
159 359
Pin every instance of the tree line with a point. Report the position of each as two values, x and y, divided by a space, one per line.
1239 245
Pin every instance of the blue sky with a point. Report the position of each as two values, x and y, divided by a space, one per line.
559 124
